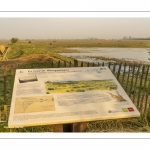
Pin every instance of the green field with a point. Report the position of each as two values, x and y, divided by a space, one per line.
51 48
79 86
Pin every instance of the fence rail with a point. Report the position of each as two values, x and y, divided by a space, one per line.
134 78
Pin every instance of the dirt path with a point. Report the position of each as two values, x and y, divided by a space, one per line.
23 60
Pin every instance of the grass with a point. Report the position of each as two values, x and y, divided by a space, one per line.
52 48
132 125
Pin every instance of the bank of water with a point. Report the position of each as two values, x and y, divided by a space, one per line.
97 55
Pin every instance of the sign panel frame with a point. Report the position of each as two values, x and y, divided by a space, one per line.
49 96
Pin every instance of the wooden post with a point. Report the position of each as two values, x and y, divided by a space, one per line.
58 66
12 79
119 71
52 64
71 127
79 127
141 80
5 113
75 63
0 114
128 78
68 127
70 64
4 53
145 108
114 68
132 80
88 64
144 88
123 73
136 78
57 128
45 64
109 65
64 63
103 64
5 77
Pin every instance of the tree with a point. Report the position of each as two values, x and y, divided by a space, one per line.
14 40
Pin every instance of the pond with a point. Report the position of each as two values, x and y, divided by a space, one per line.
98 55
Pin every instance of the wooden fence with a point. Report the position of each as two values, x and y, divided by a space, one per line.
134 78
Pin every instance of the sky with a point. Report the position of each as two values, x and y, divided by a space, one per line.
74 28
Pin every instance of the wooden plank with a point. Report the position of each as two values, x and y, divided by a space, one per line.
144 88
123 73
5 112
52 64
119 71
103 64
82 64
132 80
68 127
72 127
6 50
109 63
79 127
136 79
146 102
70 64
75 63
128 78
64 63
88 64
57 128
5 86
114 68
0 114
1 53
58 66
12 79
141 80
4 53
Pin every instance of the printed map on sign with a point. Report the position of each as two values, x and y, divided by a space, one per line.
34 104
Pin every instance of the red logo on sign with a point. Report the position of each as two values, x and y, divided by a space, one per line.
130 109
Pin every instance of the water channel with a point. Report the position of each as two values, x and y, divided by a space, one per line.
97 55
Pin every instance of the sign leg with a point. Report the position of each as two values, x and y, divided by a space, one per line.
79 127
58 128
67 127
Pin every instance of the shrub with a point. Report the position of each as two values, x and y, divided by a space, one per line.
14 40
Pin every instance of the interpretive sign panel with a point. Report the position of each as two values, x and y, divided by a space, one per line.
67 95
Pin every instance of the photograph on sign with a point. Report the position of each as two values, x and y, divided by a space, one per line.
67 95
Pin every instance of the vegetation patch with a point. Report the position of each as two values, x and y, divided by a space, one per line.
79 86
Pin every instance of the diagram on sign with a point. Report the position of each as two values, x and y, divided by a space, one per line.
34 104
28 79
117 96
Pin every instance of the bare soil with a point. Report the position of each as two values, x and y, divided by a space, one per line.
23 60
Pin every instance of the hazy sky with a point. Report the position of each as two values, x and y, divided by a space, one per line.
73 28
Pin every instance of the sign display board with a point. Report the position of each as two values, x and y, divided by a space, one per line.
67 95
